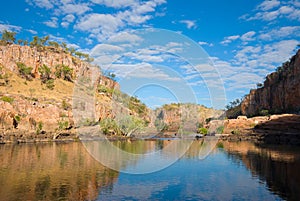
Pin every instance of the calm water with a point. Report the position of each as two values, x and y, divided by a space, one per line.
233 171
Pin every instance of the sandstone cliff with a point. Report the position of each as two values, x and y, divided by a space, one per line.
185 117
31 110
280 92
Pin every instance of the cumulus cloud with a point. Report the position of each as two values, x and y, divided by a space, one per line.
52 22
282 32
272 10
268 5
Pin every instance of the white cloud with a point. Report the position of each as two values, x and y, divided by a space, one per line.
205 43
248 36
41 3
229 39
273 10
52 22
141 70
102 49
78 9
283 32
268 5
67 20
116 3
32 31
9 27
189 23
105 22
124 37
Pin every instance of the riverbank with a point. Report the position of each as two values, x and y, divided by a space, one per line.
274 129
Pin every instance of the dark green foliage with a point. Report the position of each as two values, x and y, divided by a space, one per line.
264 112
45 72
64 72
8 36
24 71
109 126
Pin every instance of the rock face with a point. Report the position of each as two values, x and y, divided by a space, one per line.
31 111
11 54
185 116
280 93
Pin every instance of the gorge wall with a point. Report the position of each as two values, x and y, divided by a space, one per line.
31 110
280 92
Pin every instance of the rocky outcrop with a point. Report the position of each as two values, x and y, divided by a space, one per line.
34 57
274 129
280 92
187 117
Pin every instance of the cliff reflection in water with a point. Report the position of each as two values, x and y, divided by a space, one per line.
51 172
278 166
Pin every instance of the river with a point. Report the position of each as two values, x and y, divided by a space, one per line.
72 171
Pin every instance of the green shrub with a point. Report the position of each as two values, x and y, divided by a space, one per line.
17 118
64 72
7 99
109 126
39 127
63 124
65 105
220 129
24 71
50 84
264 112
203 131
45 72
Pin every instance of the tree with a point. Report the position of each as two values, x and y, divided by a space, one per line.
44 40
45 72
20 41
130 124
9 36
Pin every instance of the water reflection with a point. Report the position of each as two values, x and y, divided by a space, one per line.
236 171
51 172
278 166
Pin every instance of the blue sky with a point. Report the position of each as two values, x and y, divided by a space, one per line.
241 42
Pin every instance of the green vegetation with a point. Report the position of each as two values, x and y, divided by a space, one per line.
63 124
39 127
24 71
264 112
45 73
17 118
50 84
8 37
220 145
64 72
130 124
7 99
202 131
220 129
126 125
235 132
109 126
65 105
